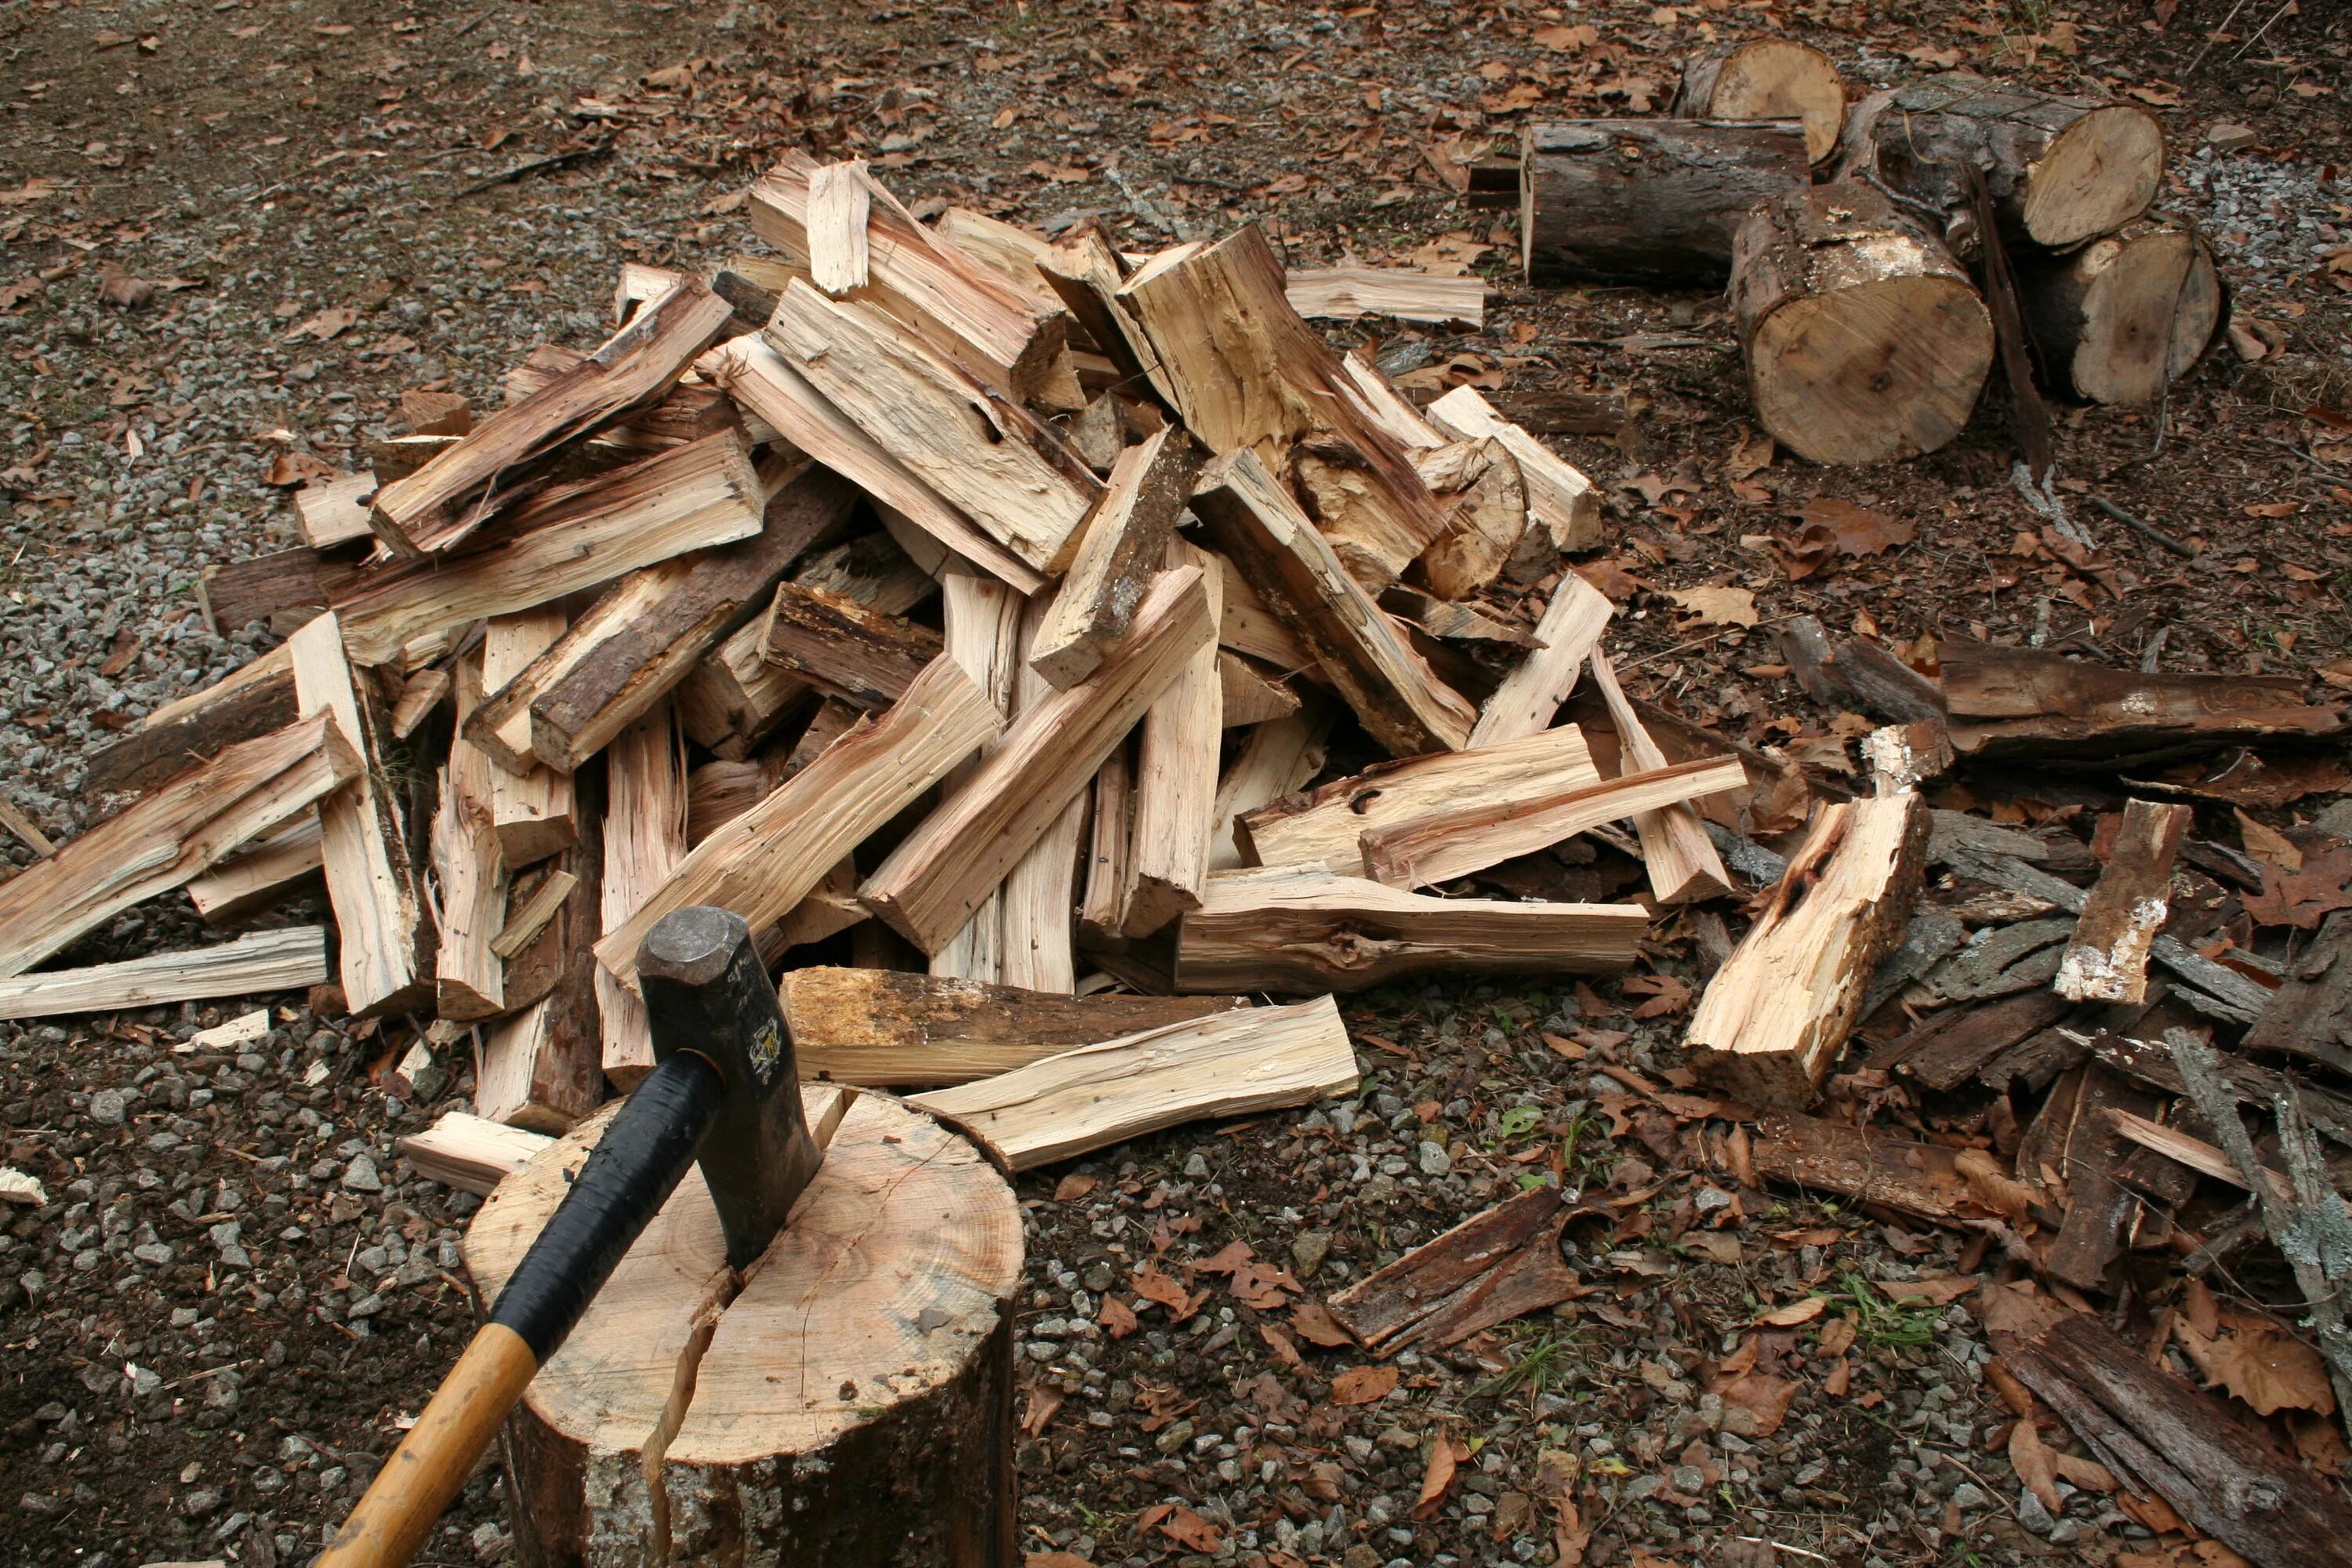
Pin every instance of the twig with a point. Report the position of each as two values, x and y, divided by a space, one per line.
2210 38
2146 529
24 828
534 166
2326 468
2250 42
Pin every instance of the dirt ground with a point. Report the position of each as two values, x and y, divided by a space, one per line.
231 234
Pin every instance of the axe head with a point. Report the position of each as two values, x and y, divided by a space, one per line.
707 993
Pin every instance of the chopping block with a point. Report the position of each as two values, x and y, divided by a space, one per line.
850 1406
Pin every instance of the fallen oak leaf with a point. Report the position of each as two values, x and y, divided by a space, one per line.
1363 1384
2269 1369
1316 1325
1715 606
2303 896
1117 1317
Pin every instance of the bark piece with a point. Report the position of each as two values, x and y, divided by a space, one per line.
904 1252
764 380
248 965
1858 673
864 657
1299 927
1648 200
2310 1014
386 931
929 885
468 975
1326 826
1529 697
2101 1201
1451 622
1124 544
2060 170
1681 859
1474 832
2029 701
1951 1048
1767 79
768 859
1775 1017
1227 1063
2106 961
1863 1164
1003 468
1254 524
1235 361
450 496
880 1027
1176 780
645 837
2183 1445
279 588
1421 1297
567 539
1011 339
643 636
1866 341
530 804
2126 315
253 700
1560 497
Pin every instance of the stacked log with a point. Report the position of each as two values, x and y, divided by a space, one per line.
1648 200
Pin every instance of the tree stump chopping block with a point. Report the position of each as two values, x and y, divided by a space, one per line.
1647 201
848 1406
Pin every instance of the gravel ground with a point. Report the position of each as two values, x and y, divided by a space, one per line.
233 235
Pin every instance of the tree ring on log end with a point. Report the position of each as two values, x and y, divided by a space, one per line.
1872 373
2071 192
1776 78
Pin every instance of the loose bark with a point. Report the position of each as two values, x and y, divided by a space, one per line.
1125 541
1866 1165
1298 927
1648 200
1227 1063
1767 79
684 1420
1775 1017
1484 1271
1472 832
282 588
2105 1177
1246 373
450 496
2060 170
1326 826
2026 701
2126 315
1954 1046
929 885
2108 959
1280 553
889 1029
1866 341
566 540
247 966
768 859
386 930
1529 697
1857 674
2310 1014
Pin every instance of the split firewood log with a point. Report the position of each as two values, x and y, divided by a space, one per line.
2126 315
1647 200
2062 170
1866 340
1767 79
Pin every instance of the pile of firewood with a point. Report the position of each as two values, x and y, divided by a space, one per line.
1866 337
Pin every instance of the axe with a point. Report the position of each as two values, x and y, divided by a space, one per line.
725 1092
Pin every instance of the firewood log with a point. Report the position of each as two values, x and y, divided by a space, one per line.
1767 79
1647 201
2125 315
1866 341
2060 170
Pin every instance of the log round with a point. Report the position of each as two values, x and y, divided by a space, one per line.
1647 200
1866 340
849 1405
2060 170
1767 79
2125 315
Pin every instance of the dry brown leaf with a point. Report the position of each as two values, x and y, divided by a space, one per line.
1117 1317
1716 606
1316 1325
2266 843
1182 1526
1043 1400
1836 1337
1071 1188
1437 1476
33 190
1936 1289
1055 1560
1762 1396
1279 1343
1795 1313
2268 1368
1363 1384
2306 896
1993 1187
2035 1465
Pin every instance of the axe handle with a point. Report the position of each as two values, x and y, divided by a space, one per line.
622 1185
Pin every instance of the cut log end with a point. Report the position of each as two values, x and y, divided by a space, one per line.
2096 175
1769 78
2127 314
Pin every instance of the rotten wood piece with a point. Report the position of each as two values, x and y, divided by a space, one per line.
881 1028
930 884
1299 927
1226 1063
2020 702
1775 1017
2106 961
1648 200
450 496
250 965
1273 546
864 657
381 917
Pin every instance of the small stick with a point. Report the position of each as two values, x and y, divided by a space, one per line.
2147 529
24 828
2211 36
